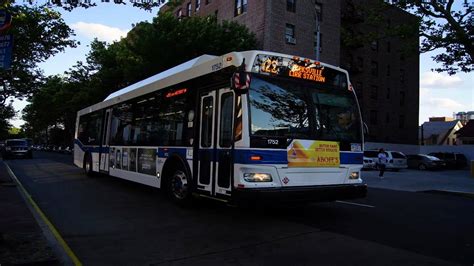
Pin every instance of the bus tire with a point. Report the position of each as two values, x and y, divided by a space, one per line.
179 187
87 165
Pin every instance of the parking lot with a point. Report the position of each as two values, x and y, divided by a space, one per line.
422 181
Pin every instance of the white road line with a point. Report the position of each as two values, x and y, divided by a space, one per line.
357 204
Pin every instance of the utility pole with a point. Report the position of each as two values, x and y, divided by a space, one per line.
317 11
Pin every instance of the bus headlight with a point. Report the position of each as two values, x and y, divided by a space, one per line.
354 175
258 177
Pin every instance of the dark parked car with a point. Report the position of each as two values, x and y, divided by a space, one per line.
453 160
17 148
424 162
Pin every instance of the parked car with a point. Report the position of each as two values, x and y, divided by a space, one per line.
424 162
453 160
17 148
396 160
369 163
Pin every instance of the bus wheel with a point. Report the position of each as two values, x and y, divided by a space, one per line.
88 165
179 187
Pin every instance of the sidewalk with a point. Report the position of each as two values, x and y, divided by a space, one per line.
415 180
21 239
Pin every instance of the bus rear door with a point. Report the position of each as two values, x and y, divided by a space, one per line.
104 145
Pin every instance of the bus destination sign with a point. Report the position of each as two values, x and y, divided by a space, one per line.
292 67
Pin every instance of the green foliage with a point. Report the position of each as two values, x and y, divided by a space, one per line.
6 113
443 27
38 33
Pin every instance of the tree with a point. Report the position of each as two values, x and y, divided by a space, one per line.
38 33
6 113
443 27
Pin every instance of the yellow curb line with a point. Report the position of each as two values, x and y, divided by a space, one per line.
51 227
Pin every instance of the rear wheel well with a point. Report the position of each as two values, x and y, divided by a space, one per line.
173 163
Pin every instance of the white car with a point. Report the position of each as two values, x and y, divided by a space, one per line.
369 163
396 160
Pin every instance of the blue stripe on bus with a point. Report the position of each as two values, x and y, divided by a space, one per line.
165 152
240 156
280 157
95 149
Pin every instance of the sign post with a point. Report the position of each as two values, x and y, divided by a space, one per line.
6 44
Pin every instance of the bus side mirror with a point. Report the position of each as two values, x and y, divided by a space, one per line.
240 82
366 129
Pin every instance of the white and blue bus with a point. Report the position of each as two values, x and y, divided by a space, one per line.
251 126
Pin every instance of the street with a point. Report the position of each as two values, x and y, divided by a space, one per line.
107 220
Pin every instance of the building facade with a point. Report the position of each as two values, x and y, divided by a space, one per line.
385 78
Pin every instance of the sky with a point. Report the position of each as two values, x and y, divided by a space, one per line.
440 94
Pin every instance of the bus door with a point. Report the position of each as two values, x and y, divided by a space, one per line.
215 158
104 144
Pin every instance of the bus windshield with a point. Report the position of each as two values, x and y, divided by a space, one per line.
291 108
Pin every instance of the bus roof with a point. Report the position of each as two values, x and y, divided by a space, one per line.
193 68
182 67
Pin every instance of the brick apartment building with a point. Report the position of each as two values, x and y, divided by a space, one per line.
386 80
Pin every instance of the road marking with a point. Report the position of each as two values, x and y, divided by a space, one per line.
356 204
45 219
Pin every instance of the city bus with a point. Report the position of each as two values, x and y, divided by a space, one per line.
246 126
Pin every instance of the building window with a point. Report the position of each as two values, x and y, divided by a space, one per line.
373 117
374 45
189 10
290 34
318 7
387 118
401 121
291 5
373 92
374 68
402 98
388 70
240 7
388 93
179 13
320 41
198 5
208 1
388 47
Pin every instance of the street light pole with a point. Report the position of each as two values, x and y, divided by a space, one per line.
318 28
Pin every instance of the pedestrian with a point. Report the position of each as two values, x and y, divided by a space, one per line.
382 162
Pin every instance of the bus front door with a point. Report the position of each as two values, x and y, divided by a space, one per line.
104 146
215 143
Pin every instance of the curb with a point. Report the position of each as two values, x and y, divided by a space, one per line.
46 225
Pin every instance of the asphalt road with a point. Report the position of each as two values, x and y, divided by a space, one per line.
107 220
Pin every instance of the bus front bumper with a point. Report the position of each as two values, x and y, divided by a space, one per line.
301 194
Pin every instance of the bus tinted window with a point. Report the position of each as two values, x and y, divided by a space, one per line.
225 130
153 120
121 124
89 128
301 109
206 124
